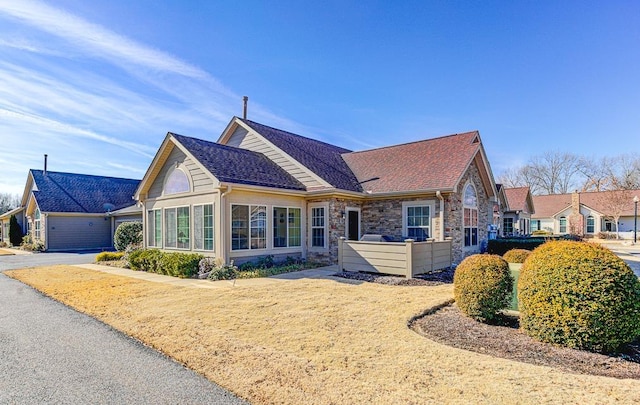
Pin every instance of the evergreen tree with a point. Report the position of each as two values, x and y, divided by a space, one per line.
15 233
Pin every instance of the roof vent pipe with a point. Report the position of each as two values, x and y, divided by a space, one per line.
45 163
245 99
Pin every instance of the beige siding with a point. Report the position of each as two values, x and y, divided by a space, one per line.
248 140
402 259
78 232
200 181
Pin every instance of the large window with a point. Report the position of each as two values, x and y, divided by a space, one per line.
177 228
248 227
154 228
418 222
177 182
591 224
318 227
563 225
203 227
37 225
470 207
286 227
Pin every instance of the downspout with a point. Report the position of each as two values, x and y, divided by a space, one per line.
45 229
441 198
223 225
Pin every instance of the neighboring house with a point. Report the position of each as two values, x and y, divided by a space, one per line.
68 211
5 222
516 216
262 191
586 213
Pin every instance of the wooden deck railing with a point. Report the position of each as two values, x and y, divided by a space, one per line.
406 258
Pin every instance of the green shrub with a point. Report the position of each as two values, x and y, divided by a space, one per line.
127 233
503 245
579 295
145 260
109 256
482 286
224 272
28 243
183 265
516 255
540 232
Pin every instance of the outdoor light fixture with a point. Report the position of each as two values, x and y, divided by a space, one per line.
635 219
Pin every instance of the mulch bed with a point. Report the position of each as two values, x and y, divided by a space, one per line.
447 325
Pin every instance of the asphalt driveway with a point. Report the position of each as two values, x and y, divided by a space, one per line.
52 354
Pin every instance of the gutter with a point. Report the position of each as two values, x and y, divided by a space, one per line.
441 198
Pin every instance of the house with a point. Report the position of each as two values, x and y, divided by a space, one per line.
516 215
5 221
261 191
586 213
68 211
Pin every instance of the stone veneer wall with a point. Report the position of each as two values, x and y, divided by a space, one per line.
384 216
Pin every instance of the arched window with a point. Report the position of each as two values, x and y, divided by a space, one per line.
563 224
470 208
591 224
177 182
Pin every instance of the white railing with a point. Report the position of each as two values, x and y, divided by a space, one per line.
407 258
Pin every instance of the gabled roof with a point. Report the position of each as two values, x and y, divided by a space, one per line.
323 159
548 206
12 212
238 166
519 199
432 164
81 193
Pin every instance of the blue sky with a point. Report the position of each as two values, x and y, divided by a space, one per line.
97 85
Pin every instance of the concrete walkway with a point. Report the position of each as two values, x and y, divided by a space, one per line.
320 272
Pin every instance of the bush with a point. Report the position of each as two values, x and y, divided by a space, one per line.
127 233
183 265
516 255
3 244
109 256
28 243
503 245
224 272
579 295
482 286
540 232
145 260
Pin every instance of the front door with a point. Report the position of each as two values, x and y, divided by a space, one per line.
353 225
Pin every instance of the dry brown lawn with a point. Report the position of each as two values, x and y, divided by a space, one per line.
5 252
315 342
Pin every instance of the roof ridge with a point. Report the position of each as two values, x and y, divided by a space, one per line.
476 132
83 174
297 135
219 145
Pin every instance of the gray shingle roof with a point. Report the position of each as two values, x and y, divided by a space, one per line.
323 159
82 193
239 166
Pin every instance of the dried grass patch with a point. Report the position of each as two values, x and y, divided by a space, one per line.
315 342
4 252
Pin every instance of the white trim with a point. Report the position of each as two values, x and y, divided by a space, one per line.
193 221
272 236
164 228
266 230
419 203
181 167
310 228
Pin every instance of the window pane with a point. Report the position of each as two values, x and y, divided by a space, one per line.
418 222
280 224
318 237
208 227
563 225
183 228
590 224
158 227
198 227
151 230
170 226
295 229
239 227
259 227
317 227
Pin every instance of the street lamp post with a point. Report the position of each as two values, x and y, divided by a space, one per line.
635 219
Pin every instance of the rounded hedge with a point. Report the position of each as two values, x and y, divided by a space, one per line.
482 286
516 255
127 233
579 295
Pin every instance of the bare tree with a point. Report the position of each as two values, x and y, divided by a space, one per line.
595 173
624 172
8 202
554 172
616 202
